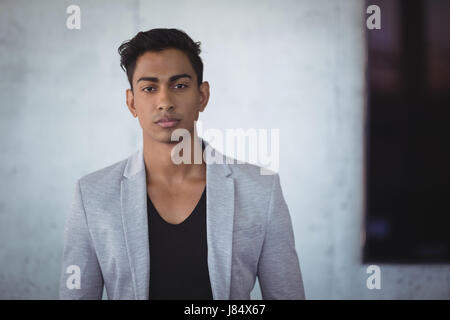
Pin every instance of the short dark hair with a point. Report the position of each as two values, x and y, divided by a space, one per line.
157 40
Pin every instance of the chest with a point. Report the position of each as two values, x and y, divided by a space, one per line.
175 205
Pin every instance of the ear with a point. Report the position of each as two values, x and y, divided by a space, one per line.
204 95
130 102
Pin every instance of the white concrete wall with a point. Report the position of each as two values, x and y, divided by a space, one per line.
293 65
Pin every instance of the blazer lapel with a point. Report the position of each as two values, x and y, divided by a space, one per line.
219 223
133 197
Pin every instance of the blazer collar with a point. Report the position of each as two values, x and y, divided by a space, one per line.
219 222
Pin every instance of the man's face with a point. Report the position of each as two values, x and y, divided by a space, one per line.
165 85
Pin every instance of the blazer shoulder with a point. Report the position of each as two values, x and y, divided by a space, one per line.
105 176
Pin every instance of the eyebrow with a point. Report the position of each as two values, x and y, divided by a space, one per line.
172 78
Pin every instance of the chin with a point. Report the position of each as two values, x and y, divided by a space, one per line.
167 139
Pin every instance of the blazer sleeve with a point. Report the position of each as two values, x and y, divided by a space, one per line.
79 257
279 272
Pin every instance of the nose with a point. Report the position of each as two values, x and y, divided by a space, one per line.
164 100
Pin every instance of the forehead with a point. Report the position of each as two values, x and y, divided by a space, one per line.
163 64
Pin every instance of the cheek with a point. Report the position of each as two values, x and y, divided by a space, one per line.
188 99
144 105
142 99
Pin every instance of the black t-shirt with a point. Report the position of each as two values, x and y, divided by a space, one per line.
178 255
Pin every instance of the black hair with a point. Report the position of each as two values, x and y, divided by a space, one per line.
157 40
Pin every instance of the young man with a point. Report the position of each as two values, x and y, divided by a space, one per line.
149 228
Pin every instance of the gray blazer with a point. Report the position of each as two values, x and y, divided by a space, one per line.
249 234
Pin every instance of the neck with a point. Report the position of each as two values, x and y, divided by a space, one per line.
161 169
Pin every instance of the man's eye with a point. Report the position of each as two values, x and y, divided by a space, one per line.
145 89
180 84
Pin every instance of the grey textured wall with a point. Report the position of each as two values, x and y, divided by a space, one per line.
295 65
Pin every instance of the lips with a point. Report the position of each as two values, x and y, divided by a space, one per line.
167 122
168 119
